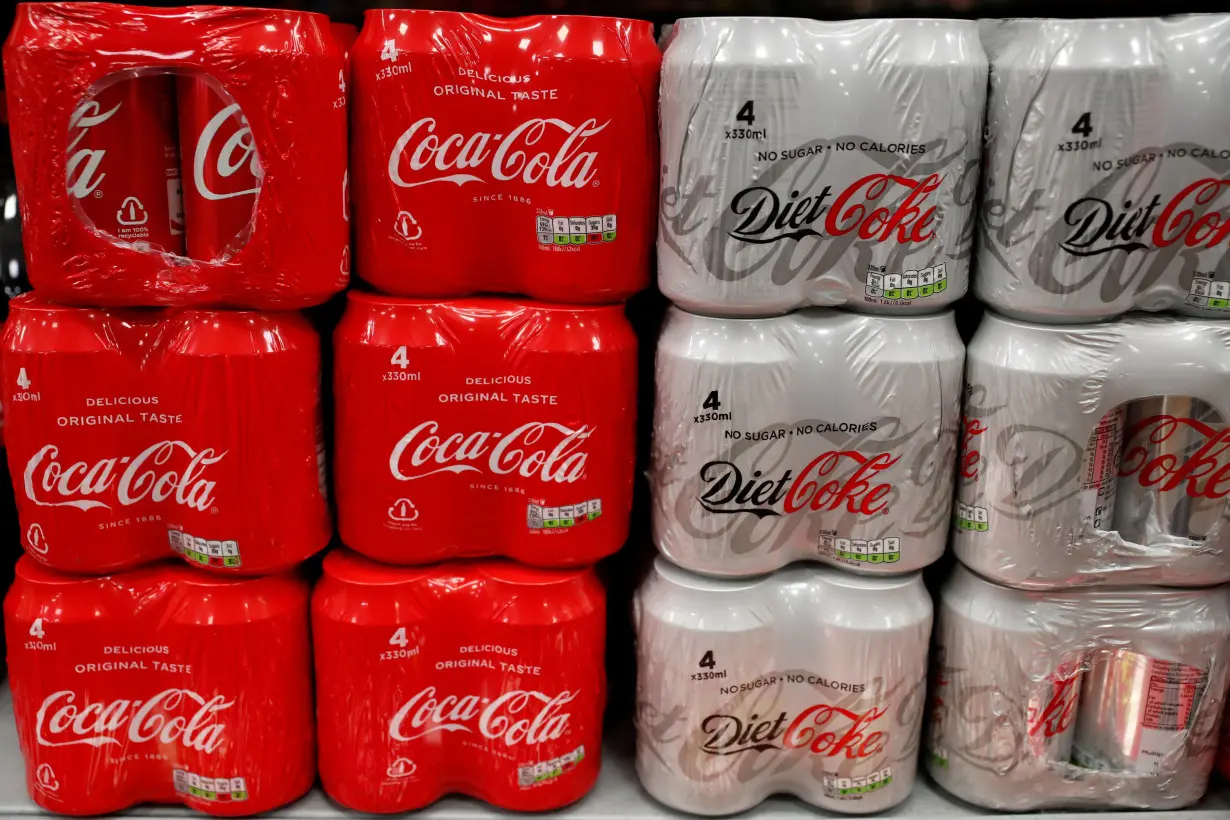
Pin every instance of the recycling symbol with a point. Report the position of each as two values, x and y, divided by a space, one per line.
407 227
46 778
403 509
132 212
401 767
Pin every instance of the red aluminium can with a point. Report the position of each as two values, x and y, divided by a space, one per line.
516 413
136 434
123 162
222 172
161 685
510 155
485 678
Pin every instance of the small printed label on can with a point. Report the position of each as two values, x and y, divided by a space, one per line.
1100 470
539 517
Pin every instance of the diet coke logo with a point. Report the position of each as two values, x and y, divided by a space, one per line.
544 449
542 149
50 483
822 729
1204 473
232 154
83 164
865 209
1056 715
171 716
520 716
1100 227
821 485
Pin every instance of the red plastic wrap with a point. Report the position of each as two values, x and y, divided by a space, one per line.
485 678
519 413
282 70
136 432
161 685
505 155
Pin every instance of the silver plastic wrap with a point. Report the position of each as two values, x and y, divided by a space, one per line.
817 435
1105 183
1080 698
1096 454
809 681
819 163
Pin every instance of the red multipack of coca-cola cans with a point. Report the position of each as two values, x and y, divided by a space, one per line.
137 434
485 678
191 156
161 685
512 155
518 413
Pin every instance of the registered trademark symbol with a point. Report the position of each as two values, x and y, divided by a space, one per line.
214 510
98 194
595 183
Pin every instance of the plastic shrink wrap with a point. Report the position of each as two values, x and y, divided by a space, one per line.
817 435
1105 184
1092 698
511 155
260 142
819 163
485 678
809 681
1096 454
161 685
137 434
483 427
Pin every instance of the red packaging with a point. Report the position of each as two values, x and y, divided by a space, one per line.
484 678
222 171
520 413
123 164
280 67
133 433
505 155
161 685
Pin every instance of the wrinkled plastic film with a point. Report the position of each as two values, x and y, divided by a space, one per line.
1087 457
518 412
505 155
137 435
484 678
1080 698
161 685
808 681
1104 183
818 163
115 233
818 435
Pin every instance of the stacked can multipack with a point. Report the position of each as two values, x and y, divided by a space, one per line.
815 222
1085 664
513 156
181 174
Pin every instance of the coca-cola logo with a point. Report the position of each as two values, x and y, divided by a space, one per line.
126 480
821 485
541 149
1204 473
231 155
84 175
865 209
1099 227
546 450
515 717
171 716
1059 711
821 729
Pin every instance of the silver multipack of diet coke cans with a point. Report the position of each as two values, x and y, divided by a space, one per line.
809 681
819 163
1076 698
1096 454
1105 182
819 435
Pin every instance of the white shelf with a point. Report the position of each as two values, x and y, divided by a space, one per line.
617 797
